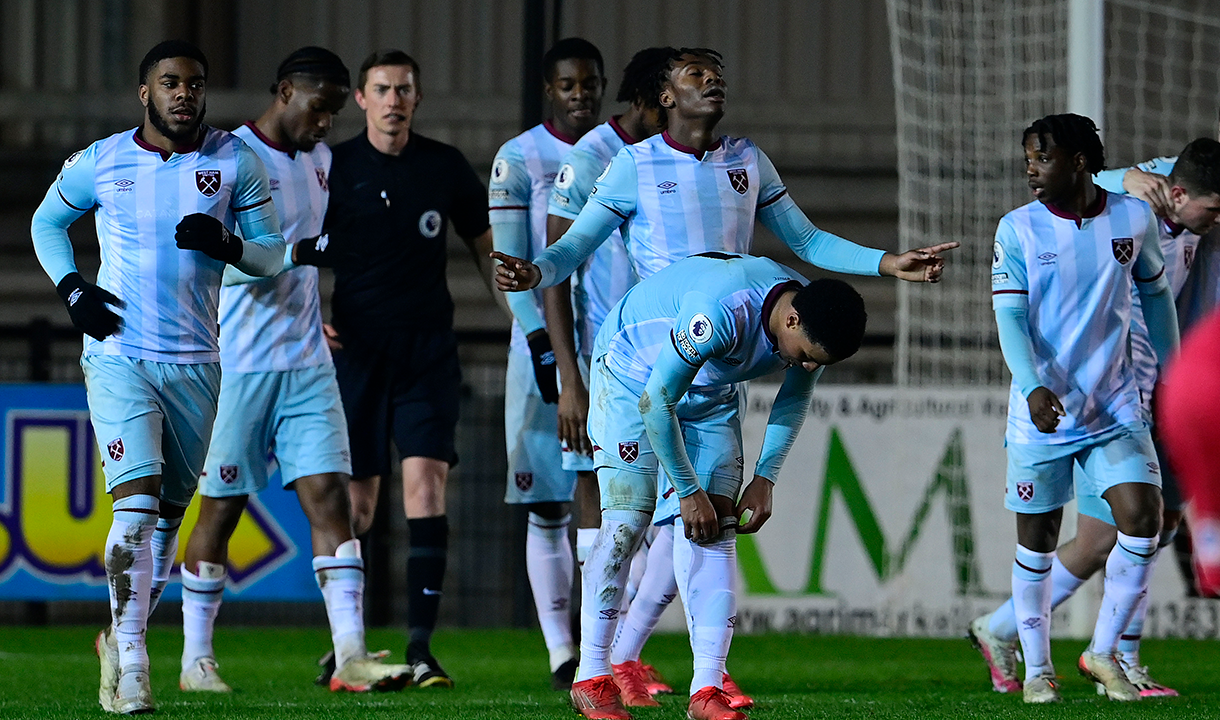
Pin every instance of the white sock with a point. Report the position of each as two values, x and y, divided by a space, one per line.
1031 597
584 541
1129 641
201 597
1063 585
341 580
639 565
164 552
1127 572
129 568
604 578
548 562
706 575
658 588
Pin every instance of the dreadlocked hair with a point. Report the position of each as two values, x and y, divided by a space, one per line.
316 63
1075 134
639 75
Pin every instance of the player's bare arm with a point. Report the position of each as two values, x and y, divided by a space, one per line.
560 323
1045 409
1151 188
756 500
920 265
514 274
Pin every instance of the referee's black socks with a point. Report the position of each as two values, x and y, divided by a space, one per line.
425 575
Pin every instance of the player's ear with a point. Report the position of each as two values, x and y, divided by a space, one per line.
666 99
1080 162
284 90
143 94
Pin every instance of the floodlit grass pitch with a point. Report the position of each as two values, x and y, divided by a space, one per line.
51 673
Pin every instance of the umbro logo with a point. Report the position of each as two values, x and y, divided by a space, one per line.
124 185
74 297
1047 258
1032 623
559 604
667 187
609 613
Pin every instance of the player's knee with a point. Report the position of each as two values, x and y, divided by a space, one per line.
549 510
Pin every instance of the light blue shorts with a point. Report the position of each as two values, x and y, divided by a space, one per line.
711 430
531 434
1040 477
578 462
152 418
1096 506
293 418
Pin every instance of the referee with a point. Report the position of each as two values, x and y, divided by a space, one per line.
391 192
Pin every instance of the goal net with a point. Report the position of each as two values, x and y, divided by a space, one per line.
969 76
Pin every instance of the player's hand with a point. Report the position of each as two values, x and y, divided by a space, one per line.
324 252
209 236
514 274
1151 188
574 417
699 517
86 305
543 358
1045 409
919 265
332 336
756 499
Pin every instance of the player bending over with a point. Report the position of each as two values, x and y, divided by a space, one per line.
664 384
279 391
1075 398
152 371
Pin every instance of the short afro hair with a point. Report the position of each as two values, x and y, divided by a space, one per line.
832 315
572 48
654 84
1075 134
171 49
1198 168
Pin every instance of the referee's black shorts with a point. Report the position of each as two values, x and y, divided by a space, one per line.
407 390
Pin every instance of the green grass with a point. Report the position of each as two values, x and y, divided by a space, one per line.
51 673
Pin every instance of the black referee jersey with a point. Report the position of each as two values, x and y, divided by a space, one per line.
388 214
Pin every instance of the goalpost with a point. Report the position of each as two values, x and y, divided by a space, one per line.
969 75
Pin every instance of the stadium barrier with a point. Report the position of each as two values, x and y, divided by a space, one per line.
889 520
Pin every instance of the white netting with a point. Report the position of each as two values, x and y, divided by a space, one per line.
969 75
1162 76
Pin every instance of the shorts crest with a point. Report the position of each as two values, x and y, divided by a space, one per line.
228 474
629 451
115 448
524 480
1025 491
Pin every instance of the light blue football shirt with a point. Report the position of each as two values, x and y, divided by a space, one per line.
138 194
1078 277
522 176
675 202
607 275
275 324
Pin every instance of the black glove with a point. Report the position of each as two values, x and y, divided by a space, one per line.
86 305
544 367
210 237
316 251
